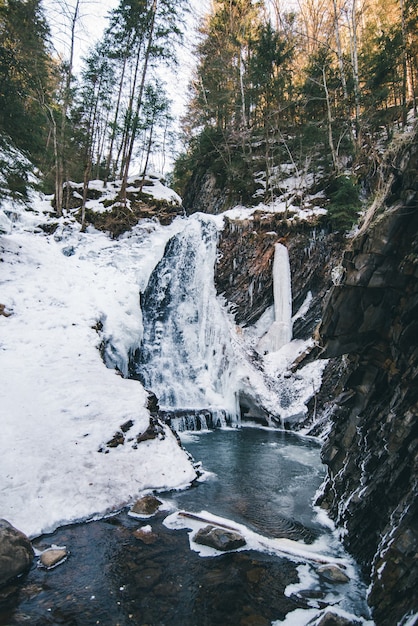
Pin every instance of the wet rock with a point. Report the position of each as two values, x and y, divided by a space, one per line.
53 556
126 426
118 439
333 573
219 538
332 618
146 535
310 598
152 403
16 552
147 505
4 311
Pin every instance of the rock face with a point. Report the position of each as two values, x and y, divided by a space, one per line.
16 552
243 273
203 194
372 450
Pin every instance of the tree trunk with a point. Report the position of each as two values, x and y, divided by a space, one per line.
354 56
139 103
115 121
329 119
149 146
91 129
342 70
60 169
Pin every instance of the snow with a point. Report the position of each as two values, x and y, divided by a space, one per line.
303 617
295 550
159 191
67 295
293 212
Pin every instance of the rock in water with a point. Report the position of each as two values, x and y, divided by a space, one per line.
332 618
53 557
16 552
219 538
333 573
146 535
145 506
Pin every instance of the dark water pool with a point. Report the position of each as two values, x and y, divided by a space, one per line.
261 478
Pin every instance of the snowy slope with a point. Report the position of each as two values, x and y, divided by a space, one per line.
59 403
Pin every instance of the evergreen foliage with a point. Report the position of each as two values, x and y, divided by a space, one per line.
344 203
315 86
25 75
311 89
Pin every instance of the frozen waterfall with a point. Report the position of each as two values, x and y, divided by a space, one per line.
186 357
280 332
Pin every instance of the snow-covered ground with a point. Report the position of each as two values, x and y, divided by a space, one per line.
63 295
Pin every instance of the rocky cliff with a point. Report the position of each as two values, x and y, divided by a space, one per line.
243 273
371 317
369 333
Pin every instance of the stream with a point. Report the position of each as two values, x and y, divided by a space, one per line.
262 479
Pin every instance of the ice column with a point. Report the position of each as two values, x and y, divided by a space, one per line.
280 332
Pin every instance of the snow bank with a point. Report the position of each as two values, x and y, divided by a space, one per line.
67 297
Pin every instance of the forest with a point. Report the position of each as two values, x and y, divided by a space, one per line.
321 86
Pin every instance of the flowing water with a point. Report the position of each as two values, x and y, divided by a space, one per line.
186 355
260 478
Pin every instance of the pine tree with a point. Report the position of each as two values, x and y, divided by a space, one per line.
93 113
26 75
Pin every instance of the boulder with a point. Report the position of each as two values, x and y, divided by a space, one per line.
331 618
146 535
146 506
16 552
333 573
219 538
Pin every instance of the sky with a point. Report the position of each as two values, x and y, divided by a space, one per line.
92 22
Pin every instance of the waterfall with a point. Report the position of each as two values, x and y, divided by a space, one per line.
280 332
194 419
186 357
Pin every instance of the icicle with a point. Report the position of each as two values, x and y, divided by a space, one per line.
280 332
